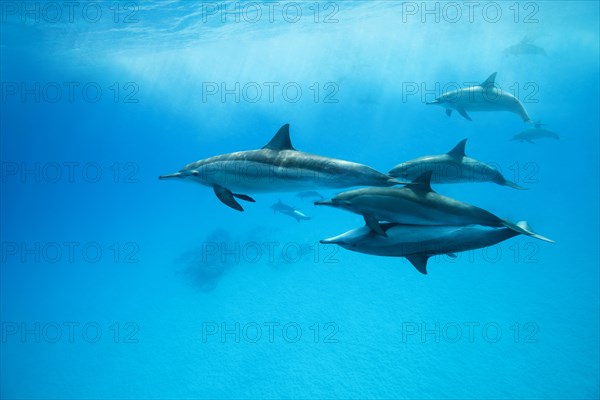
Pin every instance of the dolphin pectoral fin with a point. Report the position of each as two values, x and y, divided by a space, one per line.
530 141
452 255
448 111
374 225
419 261
464 114
524 229
513 185
243 197
226 197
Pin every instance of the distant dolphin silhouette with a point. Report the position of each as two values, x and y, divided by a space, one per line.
277 167
524 47
290 211
309 194
535 133
483 97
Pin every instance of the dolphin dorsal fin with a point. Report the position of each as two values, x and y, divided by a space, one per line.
459 150
281 140
489 82
422 182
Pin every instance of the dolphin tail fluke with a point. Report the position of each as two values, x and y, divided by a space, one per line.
419 261
513 185
523 228
228 198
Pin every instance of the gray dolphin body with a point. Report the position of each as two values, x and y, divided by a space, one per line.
483 97
419 242
290 211
277 167
415 204
452 167
535 133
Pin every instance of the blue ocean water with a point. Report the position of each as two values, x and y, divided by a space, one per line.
117 285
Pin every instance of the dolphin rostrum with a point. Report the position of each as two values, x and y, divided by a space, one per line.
483 97
415 204
537 132
277 167
290 211
452 167
419 242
